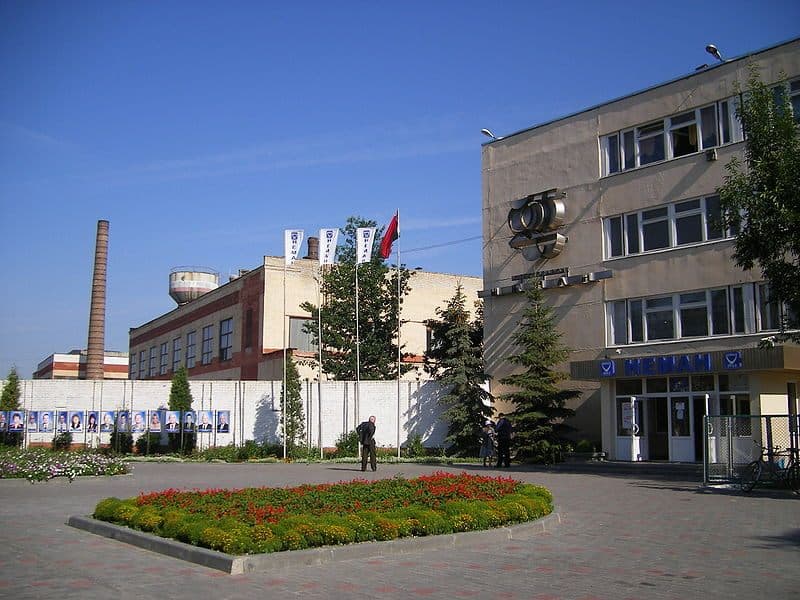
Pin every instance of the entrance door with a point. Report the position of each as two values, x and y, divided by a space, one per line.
657 429
697 425
681 440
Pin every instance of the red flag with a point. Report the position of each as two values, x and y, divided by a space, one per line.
392 233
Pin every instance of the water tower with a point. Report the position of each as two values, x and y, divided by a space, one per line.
188 283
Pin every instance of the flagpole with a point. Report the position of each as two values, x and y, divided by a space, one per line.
283 389
358 351
319 372
398 333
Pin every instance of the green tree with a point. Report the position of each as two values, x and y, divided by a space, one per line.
180 395
455 359
761 198
539 402
9 400
295 419
377 312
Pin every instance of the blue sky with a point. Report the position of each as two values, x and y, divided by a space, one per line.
201 130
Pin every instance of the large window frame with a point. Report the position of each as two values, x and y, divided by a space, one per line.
659 228
226 339
207 348
164 364
682 134
191 349
176 353
153 371
712 312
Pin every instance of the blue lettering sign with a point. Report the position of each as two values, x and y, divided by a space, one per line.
732 360
666 364
633 367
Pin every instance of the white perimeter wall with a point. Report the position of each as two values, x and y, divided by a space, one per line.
254 407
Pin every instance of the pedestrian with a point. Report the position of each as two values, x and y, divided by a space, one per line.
487 444
504 431
366 435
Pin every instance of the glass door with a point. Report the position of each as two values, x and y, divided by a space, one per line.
681 440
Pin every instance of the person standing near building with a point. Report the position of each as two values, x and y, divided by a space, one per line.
504 431
366 435
487 444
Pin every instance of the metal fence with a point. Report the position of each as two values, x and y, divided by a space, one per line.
733 441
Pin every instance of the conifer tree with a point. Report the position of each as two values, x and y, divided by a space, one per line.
539 402
455 360
295 418
761 198
377 312
180 395
9 400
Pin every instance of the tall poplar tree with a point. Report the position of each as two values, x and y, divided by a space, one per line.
455 359
180 395
539 401
295 417
761 197
377 311
9 400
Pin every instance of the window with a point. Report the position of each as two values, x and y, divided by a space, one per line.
794 99
208 345
650 143
142 364
655 228
683 134
702 313
226 339
153 358
191 349
176 354
164 365
299 337
687 222
686 133
248 329
132 366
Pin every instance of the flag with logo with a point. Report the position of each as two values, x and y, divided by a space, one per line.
392 233
365 236
327 243
293 239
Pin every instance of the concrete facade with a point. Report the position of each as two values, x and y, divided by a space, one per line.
253 307
606 285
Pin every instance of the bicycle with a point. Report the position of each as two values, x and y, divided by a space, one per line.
779 466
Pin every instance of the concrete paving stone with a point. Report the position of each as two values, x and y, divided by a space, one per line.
633 535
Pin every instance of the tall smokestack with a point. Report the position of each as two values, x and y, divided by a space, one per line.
95 350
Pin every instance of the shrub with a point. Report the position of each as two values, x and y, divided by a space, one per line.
62 441
584 446
121 442
106 509
414 447
347 444
147 519
149 443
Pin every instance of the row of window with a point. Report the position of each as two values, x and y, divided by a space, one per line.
682 134
677 224
728 310
156 361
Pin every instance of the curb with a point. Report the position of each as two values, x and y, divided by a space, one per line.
259 563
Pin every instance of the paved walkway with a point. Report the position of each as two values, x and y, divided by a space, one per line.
621 537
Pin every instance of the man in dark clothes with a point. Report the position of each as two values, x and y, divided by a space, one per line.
366 435
503 430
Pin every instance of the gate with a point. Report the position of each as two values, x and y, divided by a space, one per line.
732 441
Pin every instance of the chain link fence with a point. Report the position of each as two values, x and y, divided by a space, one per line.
733 441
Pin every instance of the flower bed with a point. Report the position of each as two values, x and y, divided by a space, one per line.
258 520
39 464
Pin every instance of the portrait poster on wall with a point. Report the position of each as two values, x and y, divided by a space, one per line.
46 421
92 424
3 420
206 421
107 424
123 420
189 420
173 421
155 420
76 421
62 421
223 421
33 421
139 421
15 420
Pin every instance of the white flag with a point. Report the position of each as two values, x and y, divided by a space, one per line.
293 239
327 243
365 236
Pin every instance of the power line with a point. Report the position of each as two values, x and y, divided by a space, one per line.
443 244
